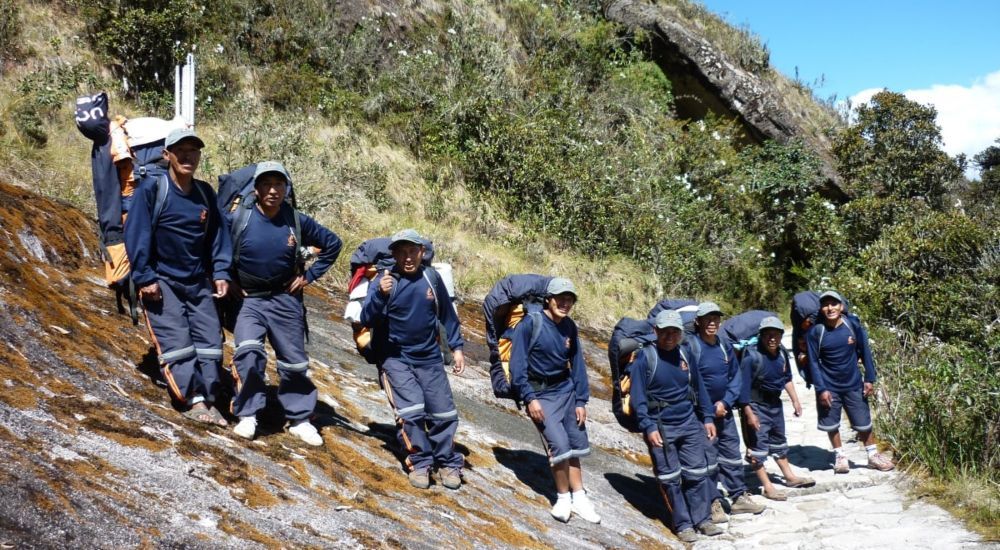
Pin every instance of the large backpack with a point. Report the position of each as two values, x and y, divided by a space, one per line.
125 153
741 330
370 258
627 339
804 312
510 299
687 307
757 370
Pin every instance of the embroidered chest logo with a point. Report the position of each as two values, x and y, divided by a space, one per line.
567 342
203 216
430 294
684 366
850 340
291 241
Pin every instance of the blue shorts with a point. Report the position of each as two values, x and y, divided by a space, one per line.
562 436
770 438
852 401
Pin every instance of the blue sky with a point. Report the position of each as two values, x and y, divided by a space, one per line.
943 53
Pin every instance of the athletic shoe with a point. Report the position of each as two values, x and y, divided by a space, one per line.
688 535
305 431
562 509
841 465
421 479
451 478
745 505
583 507
718 514
880 462
246 427
709 529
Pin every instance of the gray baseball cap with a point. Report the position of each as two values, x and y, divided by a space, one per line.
771 322
831 294
560 285
406 236
707 308
270 166
179 135
669 318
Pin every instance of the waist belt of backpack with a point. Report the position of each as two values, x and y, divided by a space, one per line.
539 383
257 287
761 396
654 404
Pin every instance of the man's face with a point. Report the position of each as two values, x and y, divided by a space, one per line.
560 305
708 325
771 337
183 157
668 338
408 256
271 189
831 309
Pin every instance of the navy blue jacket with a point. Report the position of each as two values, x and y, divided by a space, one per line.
719 370
670 384
268 247
558 346
412 322
775 373
191 239
834 366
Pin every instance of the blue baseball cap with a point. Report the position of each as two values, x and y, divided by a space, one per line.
831 294
270 166
406 236
179 135
771 322
669 318
560 285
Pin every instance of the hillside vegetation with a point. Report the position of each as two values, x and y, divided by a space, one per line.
527 136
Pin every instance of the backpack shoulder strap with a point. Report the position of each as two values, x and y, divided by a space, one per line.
649 352
160 200
432 278
240 223
757 359
694 344
536 328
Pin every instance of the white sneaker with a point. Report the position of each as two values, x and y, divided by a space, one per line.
562 509
247 427
305 431
583 507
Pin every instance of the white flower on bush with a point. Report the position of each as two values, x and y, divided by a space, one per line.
452 31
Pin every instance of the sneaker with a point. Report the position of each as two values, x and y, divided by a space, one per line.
709 529
688 535
451 478
880 462
745 505
562 509
246 427
583 507
718 514
421 479
305 431
841 465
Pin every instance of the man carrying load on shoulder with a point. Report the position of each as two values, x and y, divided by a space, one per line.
551 379
835 345
409 301
180 253
270 268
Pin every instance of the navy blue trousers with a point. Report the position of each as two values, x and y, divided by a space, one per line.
681 468
724 460
282 319
421 396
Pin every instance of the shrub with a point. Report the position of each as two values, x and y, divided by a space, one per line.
10 31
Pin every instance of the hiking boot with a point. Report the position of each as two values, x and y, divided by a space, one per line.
305 431
246 427
880 462
709 529
745 505
451 478
718 513
562 509
421 479
583 507
841 465
800 482
688 535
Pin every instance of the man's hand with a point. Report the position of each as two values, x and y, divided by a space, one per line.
297 284
825 399
385 283
459 358
221 288
720 409
654 438
151 292
710 429
869 388
535 411
797 407
581 416
752 419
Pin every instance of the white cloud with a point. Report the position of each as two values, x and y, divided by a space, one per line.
969 116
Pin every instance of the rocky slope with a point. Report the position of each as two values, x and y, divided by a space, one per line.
94 456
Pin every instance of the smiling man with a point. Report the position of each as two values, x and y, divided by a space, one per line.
408 302
180 255
547 369
271 273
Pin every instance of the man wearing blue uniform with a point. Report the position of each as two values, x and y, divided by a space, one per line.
766 373
720 373
548 372
408 303
675 414
270 268
180 254
835 345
